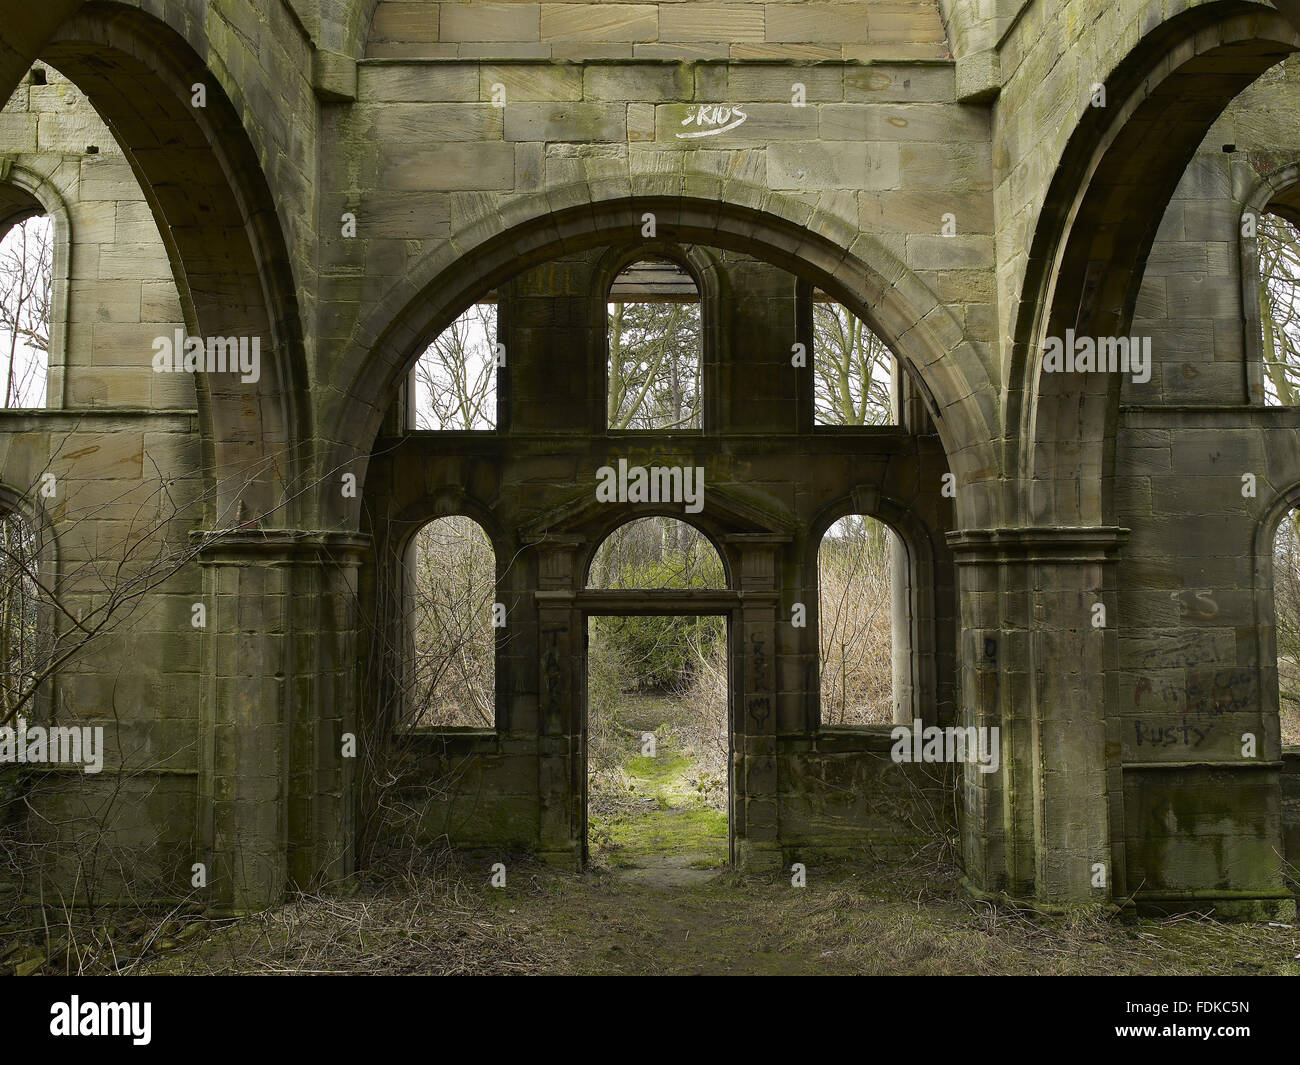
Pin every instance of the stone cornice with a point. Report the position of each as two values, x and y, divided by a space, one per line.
278 546
1043 544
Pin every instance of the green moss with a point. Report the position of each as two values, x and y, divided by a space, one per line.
664 816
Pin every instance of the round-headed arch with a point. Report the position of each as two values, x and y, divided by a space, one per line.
1276 192
205 185
689 554
25 194
1112 183
853 269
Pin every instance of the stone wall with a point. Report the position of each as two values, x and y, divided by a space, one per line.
114 433
773 483
474 144
874 29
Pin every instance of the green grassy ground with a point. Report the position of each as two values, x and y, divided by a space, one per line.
664 810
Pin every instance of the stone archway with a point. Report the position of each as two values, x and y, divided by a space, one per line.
1095 230
1066 732
955 384
214 211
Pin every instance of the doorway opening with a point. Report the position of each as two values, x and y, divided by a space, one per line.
658 742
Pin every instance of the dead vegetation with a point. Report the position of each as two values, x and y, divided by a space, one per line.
439 915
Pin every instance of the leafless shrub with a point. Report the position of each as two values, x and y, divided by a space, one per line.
853 573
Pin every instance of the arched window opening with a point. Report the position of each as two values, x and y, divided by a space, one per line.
451 582
856 567
1286 611
656 552
454 382
23 646
855 375
26 300
1279 308
652 366
658 739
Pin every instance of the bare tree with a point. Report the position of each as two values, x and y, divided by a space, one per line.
455 378
453 583
853 574
853 370
26 285
1279 308
1286 603
654 366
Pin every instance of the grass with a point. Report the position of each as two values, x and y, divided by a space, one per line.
648 809
435 913
444 918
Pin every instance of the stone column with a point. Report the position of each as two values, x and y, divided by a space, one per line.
1034 665
561 725
276 793
759 648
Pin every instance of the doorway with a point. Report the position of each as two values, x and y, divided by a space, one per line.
658 745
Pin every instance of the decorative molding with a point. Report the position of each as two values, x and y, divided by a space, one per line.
1048 544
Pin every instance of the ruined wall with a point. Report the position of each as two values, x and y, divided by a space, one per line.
115 431
1195 600
116 288
396 125
770 477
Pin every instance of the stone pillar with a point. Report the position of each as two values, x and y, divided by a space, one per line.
1034 665
561 724
276 794
759 650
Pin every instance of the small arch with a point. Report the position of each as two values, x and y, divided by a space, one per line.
656 552
1276 195
654 350
858 561
914 585
1285 561
1281 517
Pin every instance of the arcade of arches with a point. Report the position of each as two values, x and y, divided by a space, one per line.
1082 560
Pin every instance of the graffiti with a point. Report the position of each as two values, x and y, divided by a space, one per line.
1184 735
1196 603
1208 693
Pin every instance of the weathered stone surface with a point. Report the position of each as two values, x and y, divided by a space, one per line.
965 232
